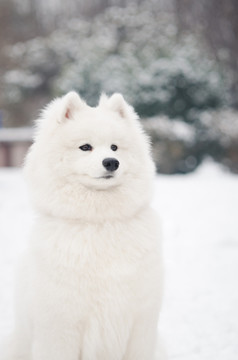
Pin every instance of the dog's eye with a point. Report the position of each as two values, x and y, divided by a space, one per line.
86 147
114 147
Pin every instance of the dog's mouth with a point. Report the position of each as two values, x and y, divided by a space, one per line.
103 182
109 176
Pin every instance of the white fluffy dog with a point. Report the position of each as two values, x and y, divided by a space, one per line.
90 284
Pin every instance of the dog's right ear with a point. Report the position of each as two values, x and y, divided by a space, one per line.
71 103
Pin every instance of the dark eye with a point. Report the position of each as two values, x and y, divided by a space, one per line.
114 147
86 147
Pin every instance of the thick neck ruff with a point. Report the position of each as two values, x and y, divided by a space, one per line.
76 202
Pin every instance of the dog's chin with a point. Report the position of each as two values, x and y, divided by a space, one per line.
104 182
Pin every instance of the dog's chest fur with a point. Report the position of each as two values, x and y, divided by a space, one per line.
95 264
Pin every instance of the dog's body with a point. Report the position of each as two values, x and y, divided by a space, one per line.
90 285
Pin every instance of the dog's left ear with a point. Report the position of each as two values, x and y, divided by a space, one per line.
118 104
71 103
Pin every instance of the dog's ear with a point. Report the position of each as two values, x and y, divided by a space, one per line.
118 104
71 103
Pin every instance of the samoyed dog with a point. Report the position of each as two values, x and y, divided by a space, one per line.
90 285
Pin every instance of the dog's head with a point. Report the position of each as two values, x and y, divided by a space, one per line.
79 149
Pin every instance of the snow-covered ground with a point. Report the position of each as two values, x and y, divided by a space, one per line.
199 320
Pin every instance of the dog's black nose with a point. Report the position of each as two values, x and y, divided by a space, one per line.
111 164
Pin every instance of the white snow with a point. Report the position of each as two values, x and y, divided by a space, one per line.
199 319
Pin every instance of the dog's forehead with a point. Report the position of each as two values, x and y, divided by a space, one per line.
96 116
95 123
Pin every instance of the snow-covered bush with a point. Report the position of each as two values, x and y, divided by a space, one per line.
217 135
132 50
173 144
179 147
135 51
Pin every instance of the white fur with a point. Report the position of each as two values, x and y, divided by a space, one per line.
90 284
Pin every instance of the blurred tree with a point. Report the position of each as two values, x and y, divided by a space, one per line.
217 23
18 23
151 51
137 47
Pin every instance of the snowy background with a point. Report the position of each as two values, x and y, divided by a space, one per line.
176 62
199 320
